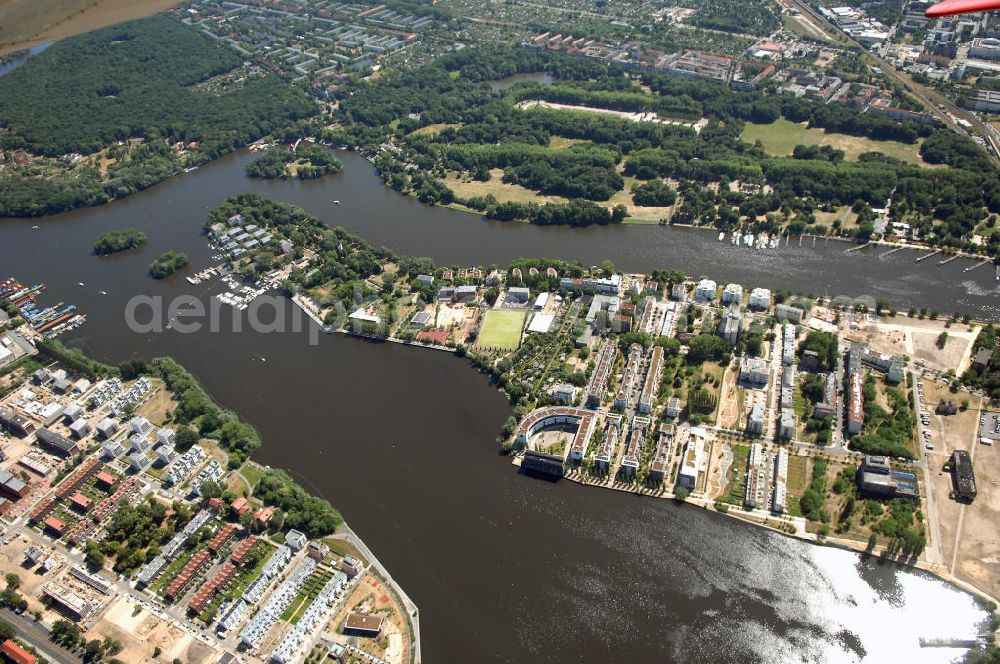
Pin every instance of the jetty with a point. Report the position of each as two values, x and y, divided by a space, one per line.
892 251
859 247
926 256
949 259
979 264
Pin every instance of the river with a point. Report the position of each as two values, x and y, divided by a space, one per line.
506 568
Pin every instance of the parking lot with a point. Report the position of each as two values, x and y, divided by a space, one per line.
989 425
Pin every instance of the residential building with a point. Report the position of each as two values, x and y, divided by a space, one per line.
651 385
786 424
785 312
780 498
296 539
755 420
788 344
564 393
693 459
855 404
678 292
705 290
624 395
760 299
732 294
754 372
985 48
16 654
828 406
731 325
602 372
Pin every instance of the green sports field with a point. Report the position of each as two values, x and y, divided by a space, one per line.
501 329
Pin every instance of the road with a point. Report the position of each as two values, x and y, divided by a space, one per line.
37 634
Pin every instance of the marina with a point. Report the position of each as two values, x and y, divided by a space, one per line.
48 321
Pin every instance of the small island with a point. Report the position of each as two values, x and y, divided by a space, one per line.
113 242
307 162
167 263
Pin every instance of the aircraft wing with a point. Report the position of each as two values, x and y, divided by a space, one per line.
950 7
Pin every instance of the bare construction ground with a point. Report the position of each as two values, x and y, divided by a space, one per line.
27 23
902 335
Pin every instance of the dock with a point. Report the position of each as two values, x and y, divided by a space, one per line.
858 248
892 251
926 256
979 264
949 259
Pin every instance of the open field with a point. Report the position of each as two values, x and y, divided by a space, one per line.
501 329
26 23
781 137
504 193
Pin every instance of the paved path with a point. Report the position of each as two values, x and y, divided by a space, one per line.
37 634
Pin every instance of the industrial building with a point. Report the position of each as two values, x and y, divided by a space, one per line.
876 477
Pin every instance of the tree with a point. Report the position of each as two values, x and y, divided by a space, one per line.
682 493
210 489
93 651
65 633
93 556
942 340
185 437
6 631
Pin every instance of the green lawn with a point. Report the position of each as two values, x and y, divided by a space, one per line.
251 473
501 329
781 136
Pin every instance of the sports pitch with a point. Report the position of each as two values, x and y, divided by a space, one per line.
501 329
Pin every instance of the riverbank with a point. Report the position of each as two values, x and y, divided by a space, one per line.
763 519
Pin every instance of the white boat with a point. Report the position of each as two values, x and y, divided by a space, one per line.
774 242
35 227
748 239
722 236
103 292
336 202
80 283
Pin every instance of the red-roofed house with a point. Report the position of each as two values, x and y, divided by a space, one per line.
240 505
55 525
263 515
81 502
15 653
106 479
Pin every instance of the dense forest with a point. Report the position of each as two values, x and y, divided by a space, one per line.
312 161
153 79
138 79
112 242
166 264
477 129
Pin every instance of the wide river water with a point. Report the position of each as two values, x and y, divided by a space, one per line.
506 568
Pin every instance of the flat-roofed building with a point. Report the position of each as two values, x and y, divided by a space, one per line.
651 384
624 395
786 312
963 476
358 624
602 372
732 294
876 477
855 404
754 372
15 423
57 443
705 290
659 465
693 459
760 299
